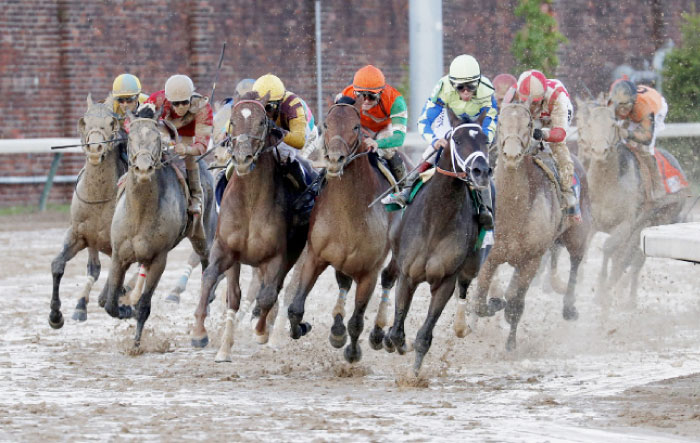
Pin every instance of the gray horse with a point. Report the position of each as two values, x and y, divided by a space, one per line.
151 218
93 204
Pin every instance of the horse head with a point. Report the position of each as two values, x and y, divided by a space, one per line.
514 133
342 136
146 139
600 132
97 127
467 158
252 132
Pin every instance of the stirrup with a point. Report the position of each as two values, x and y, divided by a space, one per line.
396 199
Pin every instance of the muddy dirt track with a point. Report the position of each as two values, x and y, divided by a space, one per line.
633 375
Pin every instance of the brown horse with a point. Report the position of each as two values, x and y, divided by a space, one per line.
529 220
93 204
618 199
255 226
346 233
151 218
436 239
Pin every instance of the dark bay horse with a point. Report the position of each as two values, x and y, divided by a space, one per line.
345 233
92 206
255 224
151 218
529 220
618 199
436 239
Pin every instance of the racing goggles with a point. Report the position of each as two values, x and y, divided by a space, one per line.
129 99
368 95
468 86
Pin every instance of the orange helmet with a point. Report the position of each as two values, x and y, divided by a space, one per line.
369 78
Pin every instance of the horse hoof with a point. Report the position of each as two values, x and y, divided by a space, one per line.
353 354
200 342
125 311
418 363
338 341
376 338
261 339
56 324
80 315
222 357
173 298
388 345
339 334
570 313
305 328
495 305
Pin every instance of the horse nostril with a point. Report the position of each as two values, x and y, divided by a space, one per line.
477 172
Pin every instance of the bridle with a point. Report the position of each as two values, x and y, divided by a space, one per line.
351 149
612 138
154 154
464 164
248 138
524 141
107 137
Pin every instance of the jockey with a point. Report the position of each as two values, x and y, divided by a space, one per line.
290 113
383 118
549 105
191 114
469 95
502 83
640 111
126 96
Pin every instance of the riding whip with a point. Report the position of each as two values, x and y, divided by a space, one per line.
85 144
216 76
388 191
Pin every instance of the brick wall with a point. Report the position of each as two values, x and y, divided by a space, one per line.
54 52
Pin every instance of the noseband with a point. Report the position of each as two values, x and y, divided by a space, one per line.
155 155
351 149
107 138
524 141
248 138
465 164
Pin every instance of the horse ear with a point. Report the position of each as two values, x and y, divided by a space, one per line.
81 126
115 124
265 98
452 117
89 99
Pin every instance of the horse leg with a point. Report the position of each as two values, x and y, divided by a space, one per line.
440 296
637 262
71 246
135 295
192 262
114 288
273 273
220 261
155 271
251 293
339 336
555 281
388 278
128 287
93 270
460 326
233 302
484 307
570 312
395 339
363 293
516 302
310 270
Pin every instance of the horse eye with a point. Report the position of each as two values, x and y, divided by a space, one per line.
356 128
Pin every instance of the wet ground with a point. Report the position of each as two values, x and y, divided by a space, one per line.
629 375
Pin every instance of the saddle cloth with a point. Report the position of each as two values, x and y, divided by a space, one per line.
545 160
674 180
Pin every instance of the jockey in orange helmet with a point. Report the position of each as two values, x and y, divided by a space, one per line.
383 117
501 84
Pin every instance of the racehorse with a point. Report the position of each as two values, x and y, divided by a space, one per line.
347 234
255 223
92 206
529 220
151 217
618 199
436 240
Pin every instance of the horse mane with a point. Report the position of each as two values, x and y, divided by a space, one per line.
345 100
250 95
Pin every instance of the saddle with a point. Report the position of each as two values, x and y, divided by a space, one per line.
544 158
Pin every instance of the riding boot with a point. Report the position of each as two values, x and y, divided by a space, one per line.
485 209
196 195
658 190
397 167
401 198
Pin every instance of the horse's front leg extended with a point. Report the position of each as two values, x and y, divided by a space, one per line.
93 270
484 307
339 335
273 273
113 289
71 246
155 271
363 293
220 260
311 268
395 339
233 302
441 294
